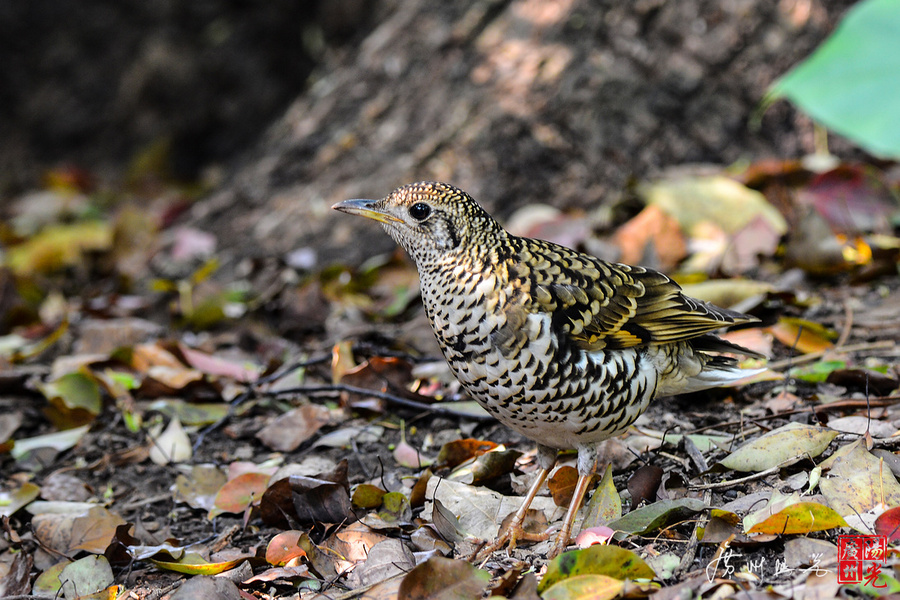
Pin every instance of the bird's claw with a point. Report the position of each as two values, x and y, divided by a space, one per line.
511 535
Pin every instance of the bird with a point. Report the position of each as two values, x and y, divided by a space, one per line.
562 347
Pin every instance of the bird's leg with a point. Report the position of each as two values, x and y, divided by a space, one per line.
587 457
514 531
562 538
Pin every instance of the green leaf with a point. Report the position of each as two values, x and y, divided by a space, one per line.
850 82
86 576
74 400
367 495
605 504
653 516
395 508
611 561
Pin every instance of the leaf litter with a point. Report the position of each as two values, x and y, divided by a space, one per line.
166 431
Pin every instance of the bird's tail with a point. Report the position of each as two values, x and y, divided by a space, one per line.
696 369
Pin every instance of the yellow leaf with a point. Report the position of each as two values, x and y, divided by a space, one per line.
59 246
800 518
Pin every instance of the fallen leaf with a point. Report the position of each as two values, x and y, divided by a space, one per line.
850 200
818 371
276 507
285 575
284 548
444 579
487 466
354 543
888 524
286 432
459 451
58 246
801 518
86 576
792 441
653 516
611 561
858 482
346 436
427 539
859 425
189 413
594 535
813 246
13 500
584 587
341 360
194 564
65 486
168 381
407 456
804 336
324 498
59 441
652 237
726 202
83 527
238 494
74 400
388 558
477 511
864 381
215 365
367 496
605 505
172 445
644 483
395 509
199 486
807 551
759 237
204 587
562 485
727 292
9 423
47 583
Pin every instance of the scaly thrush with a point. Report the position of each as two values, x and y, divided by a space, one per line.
564 348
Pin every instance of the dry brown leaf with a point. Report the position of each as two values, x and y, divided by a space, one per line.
286 432
651 238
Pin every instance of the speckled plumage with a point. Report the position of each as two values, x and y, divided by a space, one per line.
563 347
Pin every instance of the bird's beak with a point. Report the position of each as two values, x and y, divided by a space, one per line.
366 208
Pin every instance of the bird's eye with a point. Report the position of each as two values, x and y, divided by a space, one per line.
419 211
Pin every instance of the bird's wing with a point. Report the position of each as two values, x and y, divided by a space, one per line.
607 305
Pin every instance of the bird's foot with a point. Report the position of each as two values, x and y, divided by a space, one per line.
511 535
559 546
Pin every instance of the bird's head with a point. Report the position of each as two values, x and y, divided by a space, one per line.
429 220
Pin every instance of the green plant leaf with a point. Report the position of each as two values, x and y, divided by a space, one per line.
850 82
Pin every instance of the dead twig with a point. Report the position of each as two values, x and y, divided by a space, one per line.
381 395
848 324
687 559
733 482
814 356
